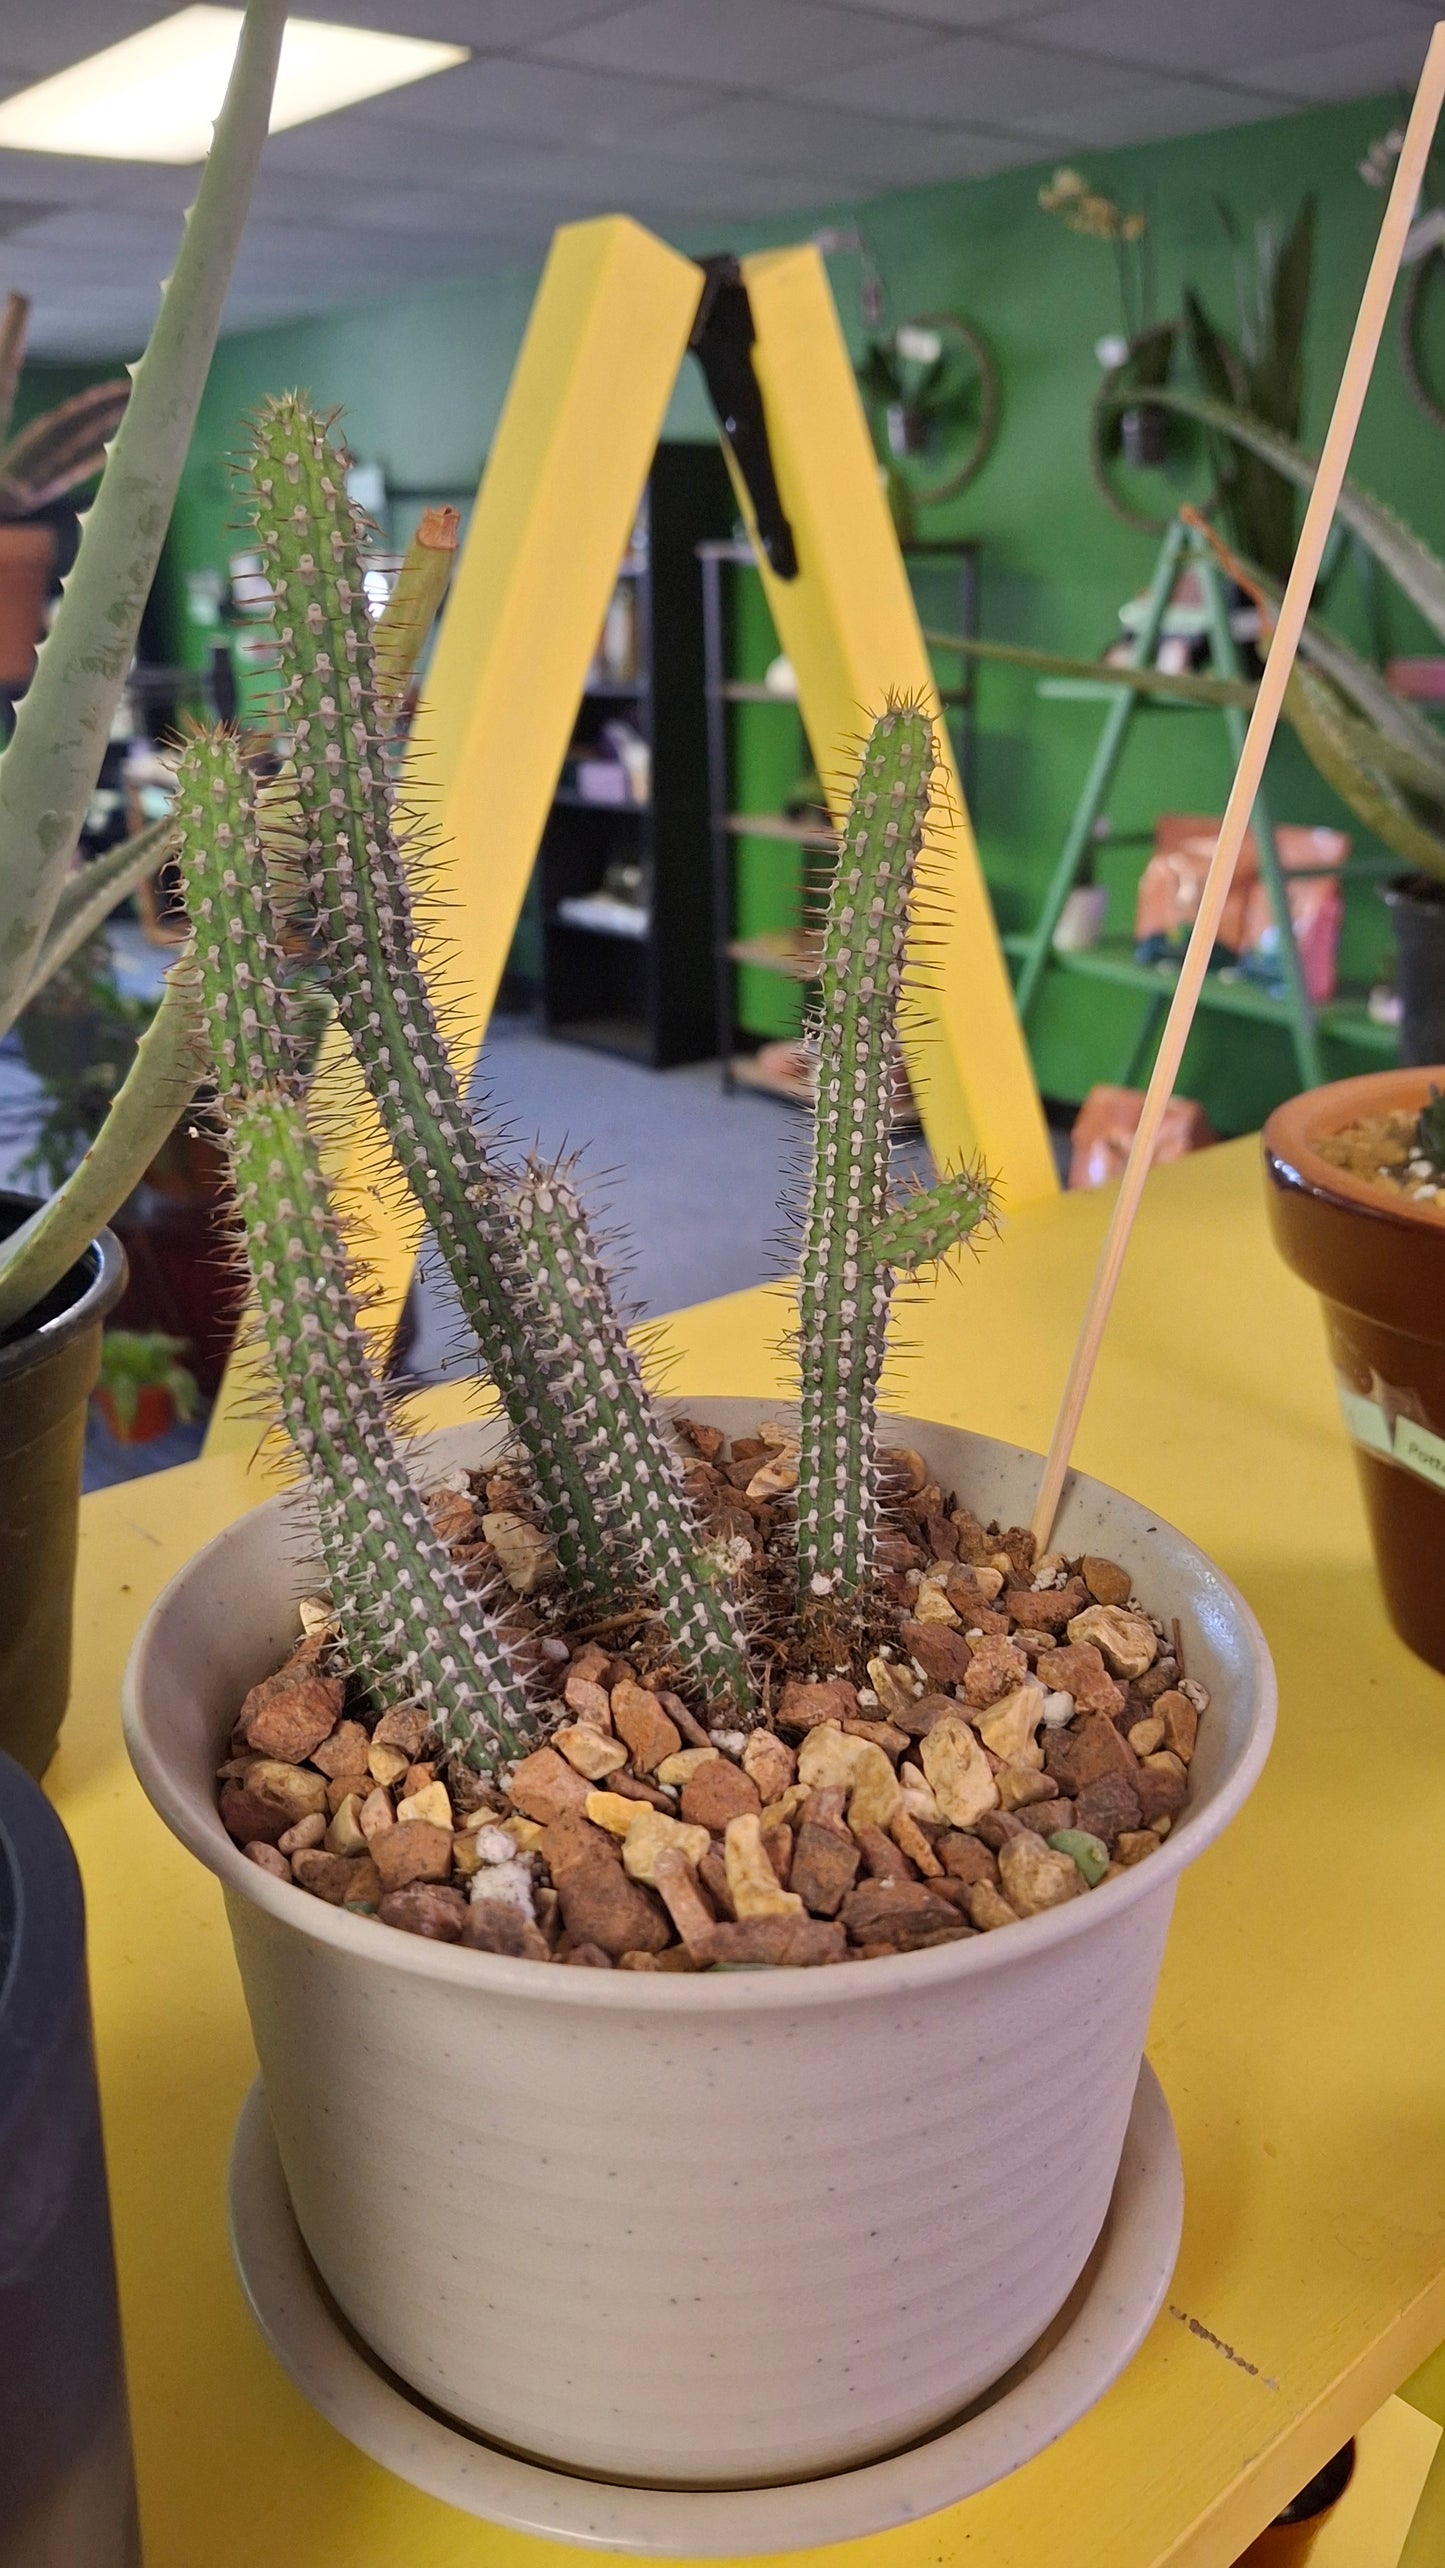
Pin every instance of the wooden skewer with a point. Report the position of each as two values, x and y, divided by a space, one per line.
1330 474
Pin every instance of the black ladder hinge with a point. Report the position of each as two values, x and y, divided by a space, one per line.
722 342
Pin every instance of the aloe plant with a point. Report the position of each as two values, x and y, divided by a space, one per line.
49 767
327 848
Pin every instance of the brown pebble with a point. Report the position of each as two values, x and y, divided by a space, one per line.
712 1873
586 1957
413 1850
288 1716
426 1908
805 1705
894 1913
267 1859
1045 1609
769 1764
677 1886
1106 1582
825 1862
943 1654
778 1847
1162 1786
1033 1877
1046 1818
544 1786
1079 1754
925 1711
1079 1669
307 1832
343 1881
640 1721
1107 1806
796 1942
571 1841
996 1827
1181 1723
998 1668
718 1792
587 1701
885 1860
493 1926
345 1752
268 1802
406 1728
601 1905
966 1858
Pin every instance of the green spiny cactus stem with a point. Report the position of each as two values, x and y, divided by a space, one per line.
595 1376
343 818
845 1280
406 1617
928 1224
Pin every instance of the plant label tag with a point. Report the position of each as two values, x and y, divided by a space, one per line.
1400 1440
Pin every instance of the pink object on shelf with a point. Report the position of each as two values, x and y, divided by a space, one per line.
1106 1123
1422 681
1172 883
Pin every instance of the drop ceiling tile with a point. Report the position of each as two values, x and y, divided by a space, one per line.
748 44
1387 61
786 133
950 13
494 26
366 144
1153 114
39 39
54 178
1015 87
543 102
1225 37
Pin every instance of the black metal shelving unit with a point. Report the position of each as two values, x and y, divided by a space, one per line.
630 970
788 953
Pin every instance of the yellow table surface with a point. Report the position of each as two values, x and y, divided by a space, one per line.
1298 2031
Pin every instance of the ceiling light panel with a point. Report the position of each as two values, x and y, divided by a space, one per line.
156 95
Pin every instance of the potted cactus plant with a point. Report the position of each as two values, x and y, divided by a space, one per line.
60 1269
44 462
603 1732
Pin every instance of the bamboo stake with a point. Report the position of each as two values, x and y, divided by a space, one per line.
1329 476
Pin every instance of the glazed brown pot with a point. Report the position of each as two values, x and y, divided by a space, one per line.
27 558
1378 1263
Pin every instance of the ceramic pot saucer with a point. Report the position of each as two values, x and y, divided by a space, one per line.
1098 2331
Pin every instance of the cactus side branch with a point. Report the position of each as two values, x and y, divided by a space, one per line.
407 1619
48 769
845 1279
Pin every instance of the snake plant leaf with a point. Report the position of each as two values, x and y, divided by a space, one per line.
48 769
60 451
14 329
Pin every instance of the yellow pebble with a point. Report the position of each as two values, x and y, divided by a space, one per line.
613 1811
681 1767
433 1802
753 1886
588 1750
652 1831
958 1771
388 1765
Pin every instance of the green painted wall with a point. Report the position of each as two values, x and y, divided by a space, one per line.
421 382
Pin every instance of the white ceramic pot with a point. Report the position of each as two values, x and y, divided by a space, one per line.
696 2230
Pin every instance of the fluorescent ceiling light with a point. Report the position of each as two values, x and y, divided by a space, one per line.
156 95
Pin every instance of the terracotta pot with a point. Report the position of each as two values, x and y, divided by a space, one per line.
155 1413
27 558
1289 2540
714 2230
47 1372
1378 1263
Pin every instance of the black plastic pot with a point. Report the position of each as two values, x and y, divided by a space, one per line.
67 2485
1417 906
48 1370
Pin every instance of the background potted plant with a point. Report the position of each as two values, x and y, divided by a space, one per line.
42 463
60 1271
144 1388
1357 1206
1137 360
584 2108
